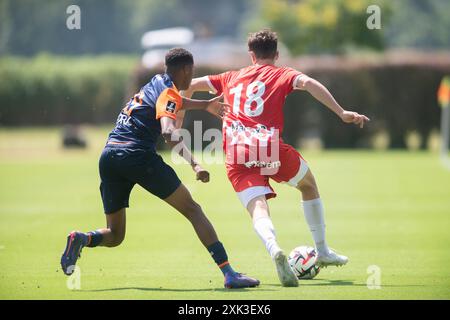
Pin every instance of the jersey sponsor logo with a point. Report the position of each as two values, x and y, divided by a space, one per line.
123 119
240 134
263 164
170 107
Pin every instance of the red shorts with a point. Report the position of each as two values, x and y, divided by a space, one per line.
251 182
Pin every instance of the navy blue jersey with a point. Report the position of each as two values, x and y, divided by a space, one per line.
138 124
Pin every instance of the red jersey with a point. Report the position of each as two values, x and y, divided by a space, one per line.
257 94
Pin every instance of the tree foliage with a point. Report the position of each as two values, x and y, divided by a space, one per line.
310 26
420 24
28 27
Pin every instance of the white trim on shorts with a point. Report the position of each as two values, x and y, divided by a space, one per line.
300 174
251 193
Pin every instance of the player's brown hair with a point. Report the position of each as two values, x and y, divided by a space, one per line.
263 43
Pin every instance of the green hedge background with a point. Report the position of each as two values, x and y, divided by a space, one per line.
399 95
53 90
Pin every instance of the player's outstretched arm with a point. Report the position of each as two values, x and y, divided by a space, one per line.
216 107
197 85
173 138
321 93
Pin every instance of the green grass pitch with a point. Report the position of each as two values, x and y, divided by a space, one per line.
388 209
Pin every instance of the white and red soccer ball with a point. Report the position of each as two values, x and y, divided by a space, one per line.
303 262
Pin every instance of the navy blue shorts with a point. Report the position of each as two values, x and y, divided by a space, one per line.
121 168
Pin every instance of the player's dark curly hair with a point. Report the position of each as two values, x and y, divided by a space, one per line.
263 43
178 57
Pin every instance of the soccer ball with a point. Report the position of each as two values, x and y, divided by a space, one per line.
303 262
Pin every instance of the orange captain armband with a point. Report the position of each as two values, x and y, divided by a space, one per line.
168 104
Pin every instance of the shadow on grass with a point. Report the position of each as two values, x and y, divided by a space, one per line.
180 290
351 283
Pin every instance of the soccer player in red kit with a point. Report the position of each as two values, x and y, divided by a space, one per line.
255 151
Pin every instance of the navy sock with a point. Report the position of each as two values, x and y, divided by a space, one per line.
94 239
220 257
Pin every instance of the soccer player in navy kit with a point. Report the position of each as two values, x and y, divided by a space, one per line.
129 157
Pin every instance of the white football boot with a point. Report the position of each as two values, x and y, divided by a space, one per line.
284 270
331 259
